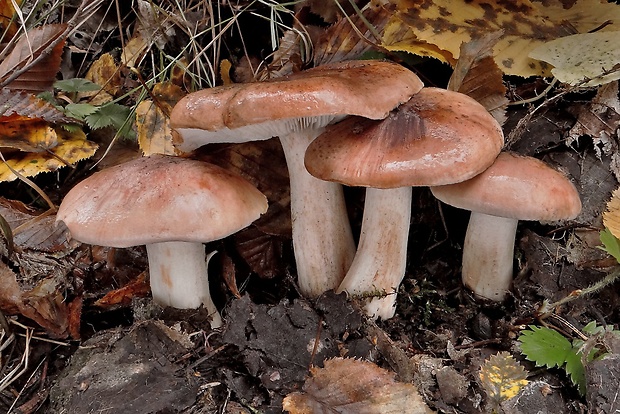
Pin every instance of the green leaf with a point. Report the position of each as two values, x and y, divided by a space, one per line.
76 85
574 368
110 114
544 346
80 110
611 244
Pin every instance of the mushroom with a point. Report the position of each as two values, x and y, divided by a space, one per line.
514 188
437 137
297 108
172 205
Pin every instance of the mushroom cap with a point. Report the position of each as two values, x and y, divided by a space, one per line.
518 187
437 137
317 96
158 199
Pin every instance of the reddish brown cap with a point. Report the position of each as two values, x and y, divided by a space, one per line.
437 137
157 199
518 187
315 96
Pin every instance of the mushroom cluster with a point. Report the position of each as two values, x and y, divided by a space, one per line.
437 137
297 108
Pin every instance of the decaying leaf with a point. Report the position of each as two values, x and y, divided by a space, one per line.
105 73
437 28
600 120
122 296
27 106
581 57
502 378
261 251
351 386
29 136
611 216
349 37
476 74
42 75
71 148
153 120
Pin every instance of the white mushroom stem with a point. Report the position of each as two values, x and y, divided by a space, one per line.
322 238
381 258
178 275
488 254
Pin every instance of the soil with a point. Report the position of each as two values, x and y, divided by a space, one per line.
131 356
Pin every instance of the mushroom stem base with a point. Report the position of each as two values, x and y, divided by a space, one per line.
178 274
488 254
381 258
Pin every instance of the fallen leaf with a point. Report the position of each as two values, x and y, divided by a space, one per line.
42 75
138 287
437 28
29 136
262 252
71 148
582 59
351 386
502 377
23 105
153 120
477 75
600 120
105 73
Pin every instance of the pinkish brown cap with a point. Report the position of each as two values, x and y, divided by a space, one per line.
158 199
317 96
515 186
437 137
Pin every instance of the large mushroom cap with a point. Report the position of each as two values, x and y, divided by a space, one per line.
262 110
517 187
158 199
437 137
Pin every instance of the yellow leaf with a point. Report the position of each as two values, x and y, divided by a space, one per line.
134 50
105 73
611 217
502 377
438 27
153 121
581 57
27 135
72 147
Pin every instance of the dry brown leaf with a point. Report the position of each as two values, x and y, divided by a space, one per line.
26 105
122 296
261 251
134 50
599 119
345 39
476 74
351 386
153 120
41 76
438 27
71 148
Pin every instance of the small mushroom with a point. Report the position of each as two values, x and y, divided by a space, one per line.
173 206
437 137
514 188
297 108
